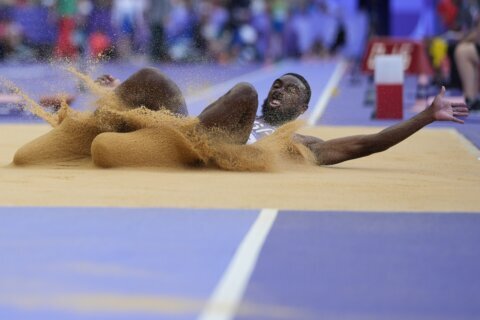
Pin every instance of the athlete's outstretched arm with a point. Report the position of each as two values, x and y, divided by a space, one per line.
348 148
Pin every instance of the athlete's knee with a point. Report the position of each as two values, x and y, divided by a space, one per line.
144 80
245 90
101 151
148 73
246 96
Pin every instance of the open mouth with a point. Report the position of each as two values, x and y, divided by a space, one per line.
274 102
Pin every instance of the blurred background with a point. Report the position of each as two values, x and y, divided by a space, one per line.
58 261
221 31
185 30
217 30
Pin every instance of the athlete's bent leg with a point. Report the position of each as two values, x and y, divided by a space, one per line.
161 146
150 88
70 141
234 112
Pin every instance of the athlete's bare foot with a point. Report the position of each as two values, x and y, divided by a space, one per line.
108 81
55 101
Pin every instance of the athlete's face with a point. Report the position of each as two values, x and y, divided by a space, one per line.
286 101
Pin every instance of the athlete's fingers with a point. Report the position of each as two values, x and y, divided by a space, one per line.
460 114
464 112
459 105
109 77
105 78
461 109
456 120
442 92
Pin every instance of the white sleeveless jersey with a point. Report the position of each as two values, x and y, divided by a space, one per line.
260 129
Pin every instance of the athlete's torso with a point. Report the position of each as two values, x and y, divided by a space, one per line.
260 130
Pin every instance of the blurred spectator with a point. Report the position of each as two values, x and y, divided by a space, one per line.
278 10
66 10
354 18
301 29
157 14
213 20
181 29
99 29
455 52
315 25
36 24
242 35
330 33
261 22
467 53
378 15
448 11
128 18
178 30
10 34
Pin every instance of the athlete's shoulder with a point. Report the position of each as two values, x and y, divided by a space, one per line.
260 129
261 123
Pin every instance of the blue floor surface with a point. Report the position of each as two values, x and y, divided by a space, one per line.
336 265
326 265
50 252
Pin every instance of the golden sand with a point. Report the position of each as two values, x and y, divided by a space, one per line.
435 170
116 136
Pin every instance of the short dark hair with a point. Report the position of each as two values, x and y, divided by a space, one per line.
304 81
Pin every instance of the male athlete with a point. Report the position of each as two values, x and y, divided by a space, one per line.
235 112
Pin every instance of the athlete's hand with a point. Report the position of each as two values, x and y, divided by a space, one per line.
444 110
107 81
55 101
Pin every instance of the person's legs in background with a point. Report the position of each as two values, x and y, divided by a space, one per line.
158 49
467 59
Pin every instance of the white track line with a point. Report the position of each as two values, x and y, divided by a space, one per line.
327 93
227 296
467 143
263 73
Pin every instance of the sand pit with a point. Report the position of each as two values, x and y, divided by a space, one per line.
173 162
120 132
434 170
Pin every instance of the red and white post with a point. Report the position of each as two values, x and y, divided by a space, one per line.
389 77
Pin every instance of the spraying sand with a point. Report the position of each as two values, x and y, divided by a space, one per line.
115 136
